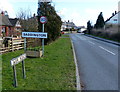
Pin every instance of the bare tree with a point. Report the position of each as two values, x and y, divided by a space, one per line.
28 22
24 14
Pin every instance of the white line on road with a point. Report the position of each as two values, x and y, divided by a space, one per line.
77 72
91 42
107 50
81 37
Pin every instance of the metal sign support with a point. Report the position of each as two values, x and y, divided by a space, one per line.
43 41
43 20
23 69
15 76
25 44
15 61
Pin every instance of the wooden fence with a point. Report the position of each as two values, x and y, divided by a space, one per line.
12 45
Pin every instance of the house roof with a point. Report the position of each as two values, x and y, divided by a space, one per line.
68 24
13 21
4 21
112 17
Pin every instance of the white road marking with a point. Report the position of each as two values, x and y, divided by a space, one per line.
81 37
77 72
91 42
107 50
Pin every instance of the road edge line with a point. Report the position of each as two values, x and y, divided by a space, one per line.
77 73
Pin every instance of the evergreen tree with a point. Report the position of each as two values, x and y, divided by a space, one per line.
53 25
100 21
89 27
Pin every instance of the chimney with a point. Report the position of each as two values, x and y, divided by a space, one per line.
6 14
34 15
2 13
115 12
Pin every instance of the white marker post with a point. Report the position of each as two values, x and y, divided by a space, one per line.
43 20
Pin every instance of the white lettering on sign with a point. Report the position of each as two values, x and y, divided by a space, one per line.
34 35
17 60
45 0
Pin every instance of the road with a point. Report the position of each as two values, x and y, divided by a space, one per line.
97 62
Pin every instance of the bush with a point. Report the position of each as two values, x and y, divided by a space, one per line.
53 25
111 32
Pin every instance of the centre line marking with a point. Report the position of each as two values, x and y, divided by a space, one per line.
107 50
91 42
81 37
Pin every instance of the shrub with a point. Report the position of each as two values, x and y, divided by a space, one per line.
111 32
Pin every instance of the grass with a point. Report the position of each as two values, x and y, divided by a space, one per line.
56 71
65 35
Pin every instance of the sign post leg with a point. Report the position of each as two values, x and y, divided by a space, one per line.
42 47
23 70
15 76
43 41
24 44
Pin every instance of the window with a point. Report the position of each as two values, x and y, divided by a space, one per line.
3 29
115 19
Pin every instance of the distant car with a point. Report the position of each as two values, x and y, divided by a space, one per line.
82 30
62 32
79 31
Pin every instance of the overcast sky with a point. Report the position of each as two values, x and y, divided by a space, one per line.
78 11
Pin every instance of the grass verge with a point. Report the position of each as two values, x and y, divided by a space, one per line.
65 35
56 71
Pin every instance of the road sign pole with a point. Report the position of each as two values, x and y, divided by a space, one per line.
43 41
15 76
25 44
23 70
43 20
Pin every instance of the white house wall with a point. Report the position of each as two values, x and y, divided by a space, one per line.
18 24
115 19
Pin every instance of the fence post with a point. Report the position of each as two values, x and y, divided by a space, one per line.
12 44
9 45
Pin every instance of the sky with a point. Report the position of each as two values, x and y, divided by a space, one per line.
77 11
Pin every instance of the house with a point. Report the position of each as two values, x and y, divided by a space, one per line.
9 27
67 25
16 27
5 25
114 19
